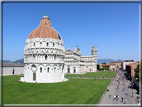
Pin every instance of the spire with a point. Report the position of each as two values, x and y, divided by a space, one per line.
45 14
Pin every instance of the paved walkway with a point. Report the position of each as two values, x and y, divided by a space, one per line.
108 98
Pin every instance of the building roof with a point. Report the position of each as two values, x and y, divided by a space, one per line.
12 65
45 30
112 64
128 61
130 64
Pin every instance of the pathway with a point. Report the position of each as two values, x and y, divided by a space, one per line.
126 94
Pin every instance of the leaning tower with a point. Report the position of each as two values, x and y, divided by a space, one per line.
44 54
94 53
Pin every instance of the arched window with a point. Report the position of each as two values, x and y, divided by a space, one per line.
74 70
54 69
53 44
45 57
54 57
68 70
48 70
47 44
40 43
33 67
34 43
40 70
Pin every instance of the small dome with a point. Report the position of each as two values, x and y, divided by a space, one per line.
45 30
77 50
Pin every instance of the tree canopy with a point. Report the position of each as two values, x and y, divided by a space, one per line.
137 71
103 63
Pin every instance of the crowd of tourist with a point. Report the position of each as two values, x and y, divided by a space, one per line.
116 81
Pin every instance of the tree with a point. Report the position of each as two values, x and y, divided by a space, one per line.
137 71
98 66
104 63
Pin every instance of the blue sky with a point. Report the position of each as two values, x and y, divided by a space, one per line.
112 27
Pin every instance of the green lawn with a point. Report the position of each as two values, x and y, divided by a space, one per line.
106 74
74 91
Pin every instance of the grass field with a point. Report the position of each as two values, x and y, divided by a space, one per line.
106 74
74 91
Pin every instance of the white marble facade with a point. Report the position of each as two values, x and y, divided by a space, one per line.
45 62
76 64
44 55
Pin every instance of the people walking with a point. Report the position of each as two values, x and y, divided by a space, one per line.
122 99
122 89
114 97
125 101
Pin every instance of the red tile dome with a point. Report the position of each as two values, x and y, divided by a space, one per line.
44 30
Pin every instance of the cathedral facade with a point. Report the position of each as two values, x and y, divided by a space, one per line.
77 64
45 58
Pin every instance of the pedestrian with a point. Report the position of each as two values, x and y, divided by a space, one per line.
125 101
114 97
109 96
118 97
123 89
122 99
138 99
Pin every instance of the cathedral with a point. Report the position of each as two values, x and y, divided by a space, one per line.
77 64
46 60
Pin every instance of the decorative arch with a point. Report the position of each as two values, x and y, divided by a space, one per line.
74 70
45 57
47 44
33 67
34 44
48 69
40 44
54 69
40 69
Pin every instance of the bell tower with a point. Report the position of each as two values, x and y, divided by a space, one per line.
94 51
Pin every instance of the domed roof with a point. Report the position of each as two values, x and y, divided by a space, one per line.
45 30
77 49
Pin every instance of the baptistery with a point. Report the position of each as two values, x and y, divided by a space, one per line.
44 55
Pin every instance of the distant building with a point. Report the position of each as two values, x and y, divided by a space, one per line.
117 64
112 66
104 65
75 63
130 68
124 63
12 69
